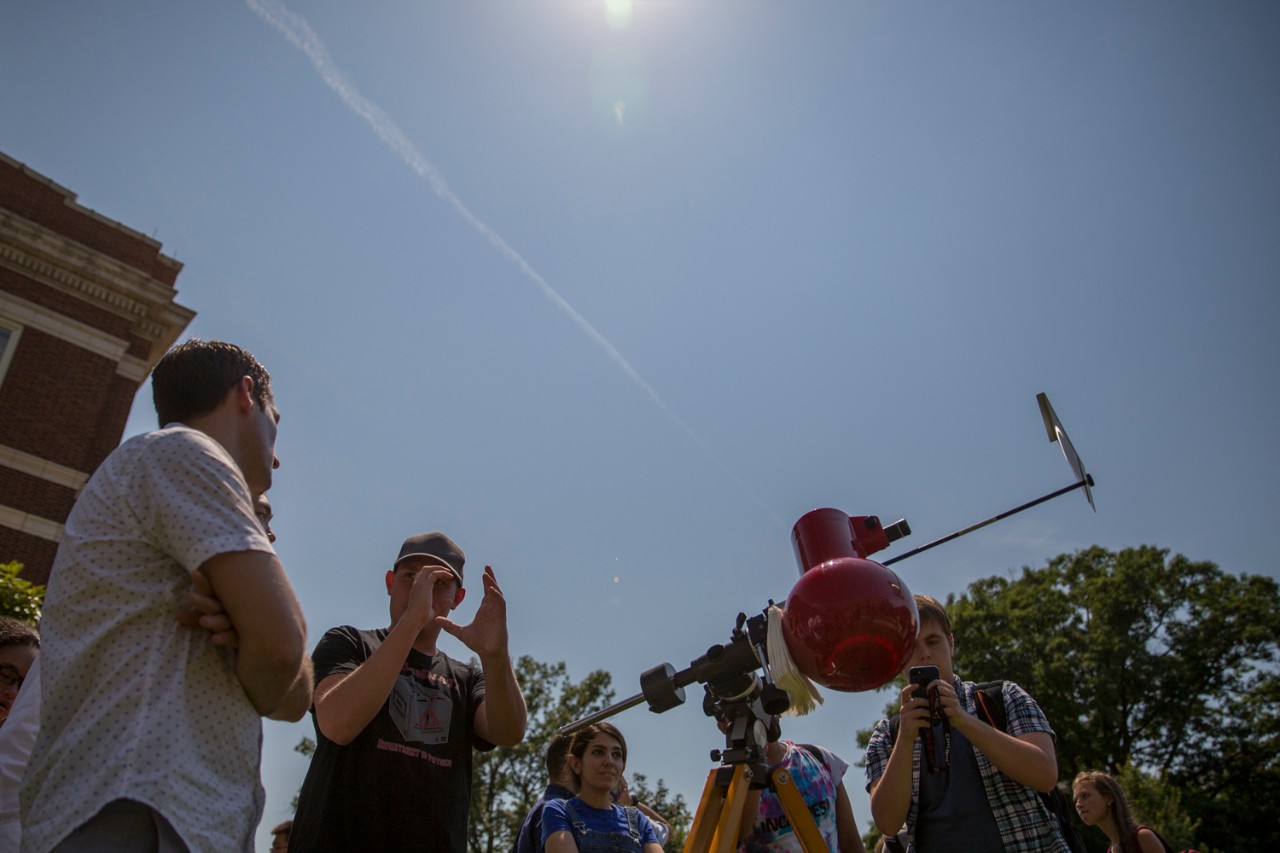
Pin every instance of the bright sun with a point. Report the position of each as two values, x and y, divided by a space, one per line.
618 13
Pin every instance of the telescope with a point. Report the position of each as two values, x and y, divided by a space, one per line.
850 623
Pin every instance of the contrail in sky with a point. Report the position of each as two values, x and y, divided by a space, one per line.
299 32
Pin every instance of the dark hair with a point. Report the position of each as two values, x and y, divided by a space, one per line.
931 610
583 737
193 379
15 632
1118 809
557 752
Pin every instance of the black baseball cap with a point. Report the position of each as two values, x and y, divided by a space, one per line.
435 545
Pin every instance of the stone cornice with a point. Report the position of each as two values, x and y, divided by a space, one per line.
71 267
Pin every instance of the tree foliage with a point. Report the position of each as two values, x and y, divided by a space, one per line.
1142 659
1157 801
673 809
19 597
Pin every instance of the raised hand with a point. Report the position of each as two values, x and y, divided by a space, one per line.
914 713
487 633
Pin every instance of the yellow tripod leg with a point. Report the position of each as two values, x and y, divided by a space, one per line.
715 824
797 812
704 819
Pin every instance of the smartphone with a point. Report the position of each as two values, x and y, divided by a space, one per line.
922 677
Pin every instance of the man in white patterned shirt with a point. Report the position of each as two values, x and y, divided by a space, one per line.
149 732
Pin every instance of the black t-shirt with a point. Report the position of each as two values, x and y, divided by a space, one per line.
404 782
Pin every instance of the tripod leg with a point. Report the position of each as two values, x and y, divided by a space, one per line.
797 812
704 819
715 826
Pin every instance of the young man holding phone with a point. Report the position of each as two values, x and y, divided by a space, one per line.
976 788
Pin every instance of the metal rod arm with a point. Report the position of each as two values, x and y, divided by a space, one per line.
991 520
604 714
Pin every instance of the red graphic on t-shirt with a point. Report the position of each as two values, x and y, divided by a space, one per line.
428 719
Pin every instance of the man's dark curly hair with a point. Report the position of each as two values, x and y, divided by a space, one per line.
15 632
195 377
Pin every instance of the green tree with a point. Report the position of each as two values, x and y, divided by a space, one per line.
673 809
19 597
306 748
1233 787
1157 801
1139 658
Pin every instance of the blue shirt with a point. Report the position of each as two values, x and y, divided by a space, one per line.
555 817
529 839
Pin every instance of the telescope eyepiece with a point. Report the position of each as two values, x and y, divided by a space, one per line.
897 530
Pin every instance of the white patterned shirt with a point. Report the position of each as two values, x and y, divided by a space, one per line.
135 705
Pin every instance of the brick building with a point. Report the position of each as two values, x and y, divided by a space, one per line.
86 309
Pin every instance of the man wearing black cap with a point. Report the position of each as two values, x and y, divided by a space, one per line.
396 719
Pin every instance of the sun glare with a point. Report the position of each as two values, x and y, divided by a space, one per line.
618 13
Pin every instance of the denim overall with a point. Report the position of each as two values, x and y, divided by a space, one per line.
594 841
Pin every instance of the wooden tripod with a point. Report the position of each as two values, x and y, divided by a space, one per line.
716 823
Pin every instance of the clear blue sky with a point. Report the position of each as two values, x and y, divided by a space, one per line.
615 303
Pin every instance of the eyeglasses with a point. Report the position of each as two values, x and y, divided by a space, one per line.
10 677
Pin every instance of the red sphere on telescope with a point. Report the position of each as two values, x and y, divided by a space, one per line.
850 623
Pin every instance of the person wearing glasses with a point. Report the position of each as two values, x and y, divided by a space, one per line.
19 644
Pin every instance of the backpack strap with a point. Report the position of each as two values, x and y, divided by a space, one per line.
989 696
1167 846
810 748
815 753
990 699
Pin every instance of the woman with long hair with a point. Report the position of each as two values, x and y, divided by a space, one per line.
591 822
1101 802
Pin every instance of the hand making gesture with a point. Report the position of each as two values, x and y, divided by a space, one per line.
487 633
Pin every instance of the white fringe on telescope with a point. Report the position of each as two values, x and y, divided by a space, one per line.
804 696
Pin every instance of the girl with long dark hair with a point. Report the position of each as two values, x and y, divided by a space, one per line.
591 822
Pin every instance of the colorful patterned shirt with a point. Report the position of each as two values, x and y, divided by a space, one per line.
817 777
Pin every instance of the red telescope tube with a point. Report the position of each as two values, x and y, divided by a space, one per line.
850 623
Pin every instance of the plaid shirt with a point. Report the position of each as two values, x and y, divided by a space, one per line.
1024 823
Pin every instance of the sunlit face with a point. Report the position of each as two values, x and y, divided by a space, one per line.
15 663
934 648
260 451
1091 804
601 766
445 596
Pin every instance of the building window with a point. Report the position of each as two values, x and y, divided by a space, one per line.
9 332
